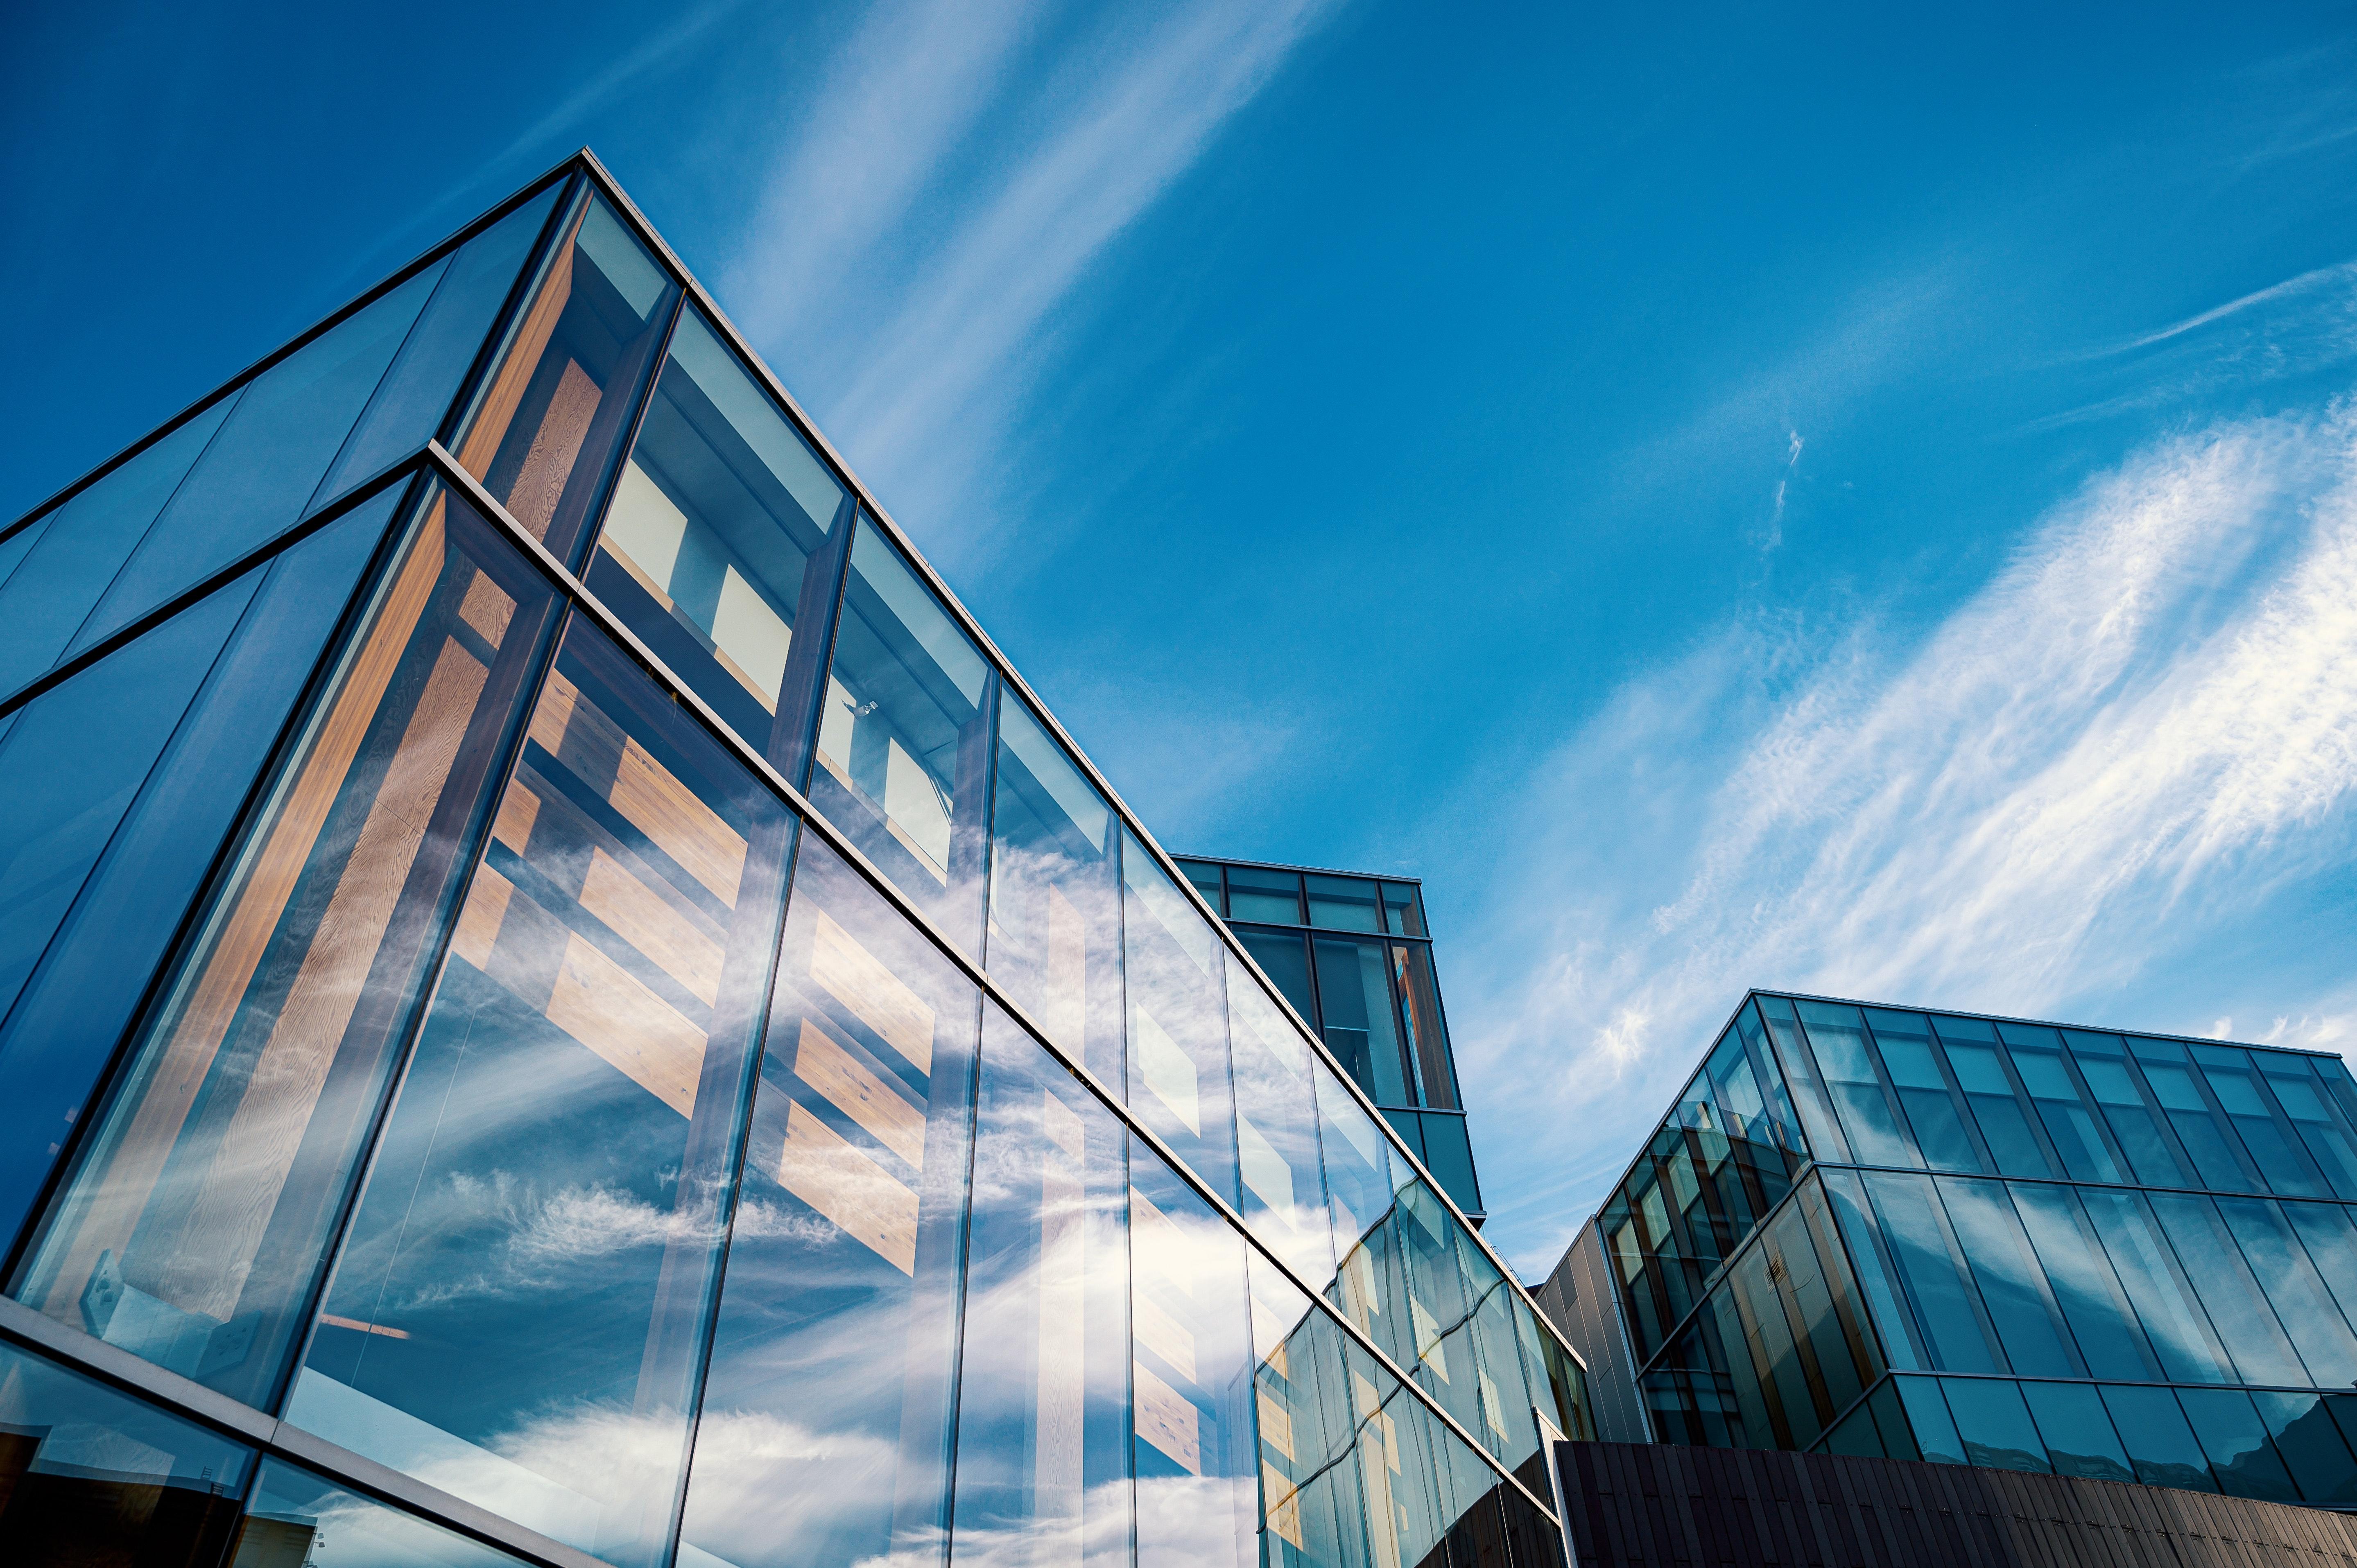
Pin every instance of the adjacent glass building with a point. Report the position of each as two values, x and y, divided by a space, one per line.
1353 955
1985 1241
559 1001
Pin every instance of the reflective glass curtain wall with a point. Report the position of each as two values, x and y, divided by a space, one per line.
533 1099
2126 1256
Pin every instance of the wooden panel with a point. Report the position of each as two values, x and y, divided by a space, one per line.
519 809
1167 1420
868 1203
556 447
499 407
488 608
641 917
877 996
878 1108
1275 1425
479 921
650 797
612 1011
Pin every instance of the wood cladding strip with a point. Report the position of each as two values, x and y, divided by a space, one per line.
612 1011
877 996
479 921
519 808
1168 1419
556 447
650 797
639 917
864 1199
846 1082
242 936
257 1152
499 407
488 608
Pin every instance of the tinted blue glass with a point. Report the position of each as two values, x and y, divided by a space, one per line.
1944 1299
2235 1439
1282 1187
414 398
2206 1142
2101 1318
2102 1060
1995 1424
2160 1445
1362 1029
56 1040
2173 1319
1837 1036
2270 1140
1449 1155
2311 1445
2320 1127
2295 1289
1284 959
2237 1307
298 1518
85 544
1876 1275
1175 966
2325 1231
1799 1068
1362 1172
1778 1095
14 548
255 477
1934 1429
1905 1041
2012 1285
2069 1121
2077 1430
2004 1121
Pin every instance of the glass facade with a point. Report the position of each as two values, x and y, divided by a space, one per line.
1987 1242
1353 957
560 1004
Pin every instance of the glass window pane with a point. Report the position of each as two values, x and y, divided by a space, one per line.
2013 1287
523 1261
1055 918
2238 1308
2077 1430
298 1518
90 1475
1927 1414
1359 1167
2103 1062
1205 878
2083 1285
2311 1445
545 424
2206 1140
1178 1022
2266 1138
1419 1006
1945 1301
1876 1270
1905 1042
257 474
1343 903
2235 1439
825 1426
2325 1231
1396 1464
1191 1384
2305 1100
2004 1122
1403 911
84 545
1995 1424
1043 1409
1449 1155
1354 1006
1258 894
15 546
80 987
2068 1119
2294 1288
1314 1507
1800 1070
1283 1187
713 549
191 1231
1283 957
904 738
414 398
2173 1320
1837 1035
2160 1445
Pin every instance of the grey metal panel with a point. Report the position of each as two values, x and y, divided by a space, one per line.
1579 1299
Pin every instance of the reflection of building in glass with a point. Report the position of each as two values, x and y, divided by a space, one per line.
560 1003
1354 957
1981 1241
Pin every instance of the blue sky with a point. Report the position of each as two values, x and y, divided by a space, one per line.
1832 499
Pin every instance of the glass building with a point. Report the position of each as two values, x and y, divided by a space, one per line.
560 1003
1353 955
1989 1241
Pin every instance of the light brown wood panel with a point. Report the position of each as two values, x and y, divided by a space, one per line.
859 1094
581 736
556 447
563 831
1275 1424
498 405
519 808
1166 1420
257 1152
488 608
478 922
244 933
612 1011
868 1203
858 979
640 915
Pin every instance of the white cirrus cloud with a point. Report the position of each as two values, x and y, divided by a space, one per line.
2138 734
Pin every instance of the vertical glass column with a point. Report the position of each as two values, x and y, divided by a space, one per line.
1179 1075
191 1230
546 425
825 1436
1283 1187
1043 1471
519 1308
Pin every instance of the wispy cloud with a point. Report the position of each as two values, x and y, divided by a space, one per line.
925 301
2143 728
